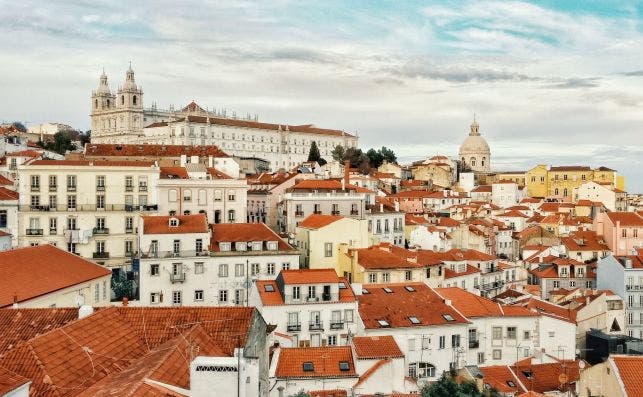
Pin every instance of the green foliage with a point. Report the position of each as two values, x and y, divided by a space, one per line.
300 393
61 143
314 155
19 126
377 157
338 153
447 387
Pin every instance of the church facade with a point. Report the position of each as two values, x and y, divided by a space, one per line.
119 117
474 153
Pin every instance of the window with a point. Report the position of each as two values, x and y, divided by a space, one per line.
480 357
177 298
187 195
52 182
511 332
198 268
383 323
348 315
96 292
230 216
223 270
35 182
455 340
100 247
386 277
308 366
285 266
497 333
270 269
448 317
129 247
198 295
53 225
239 270
556 284
155 297
254 269
414 320
312 292
328 250
154 269
129 184
295 293
176 247
100 182
372 278
408 275
3 218
442 342
71 182
526 335
231 195
71 202
239 297
497 354
623 232
332 341
223 295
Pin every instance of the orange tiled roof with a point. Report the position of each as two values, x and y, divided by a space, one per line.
24 153
316 221
378 257
472 305
20 325
447 222
499 376
626 218
174 173
236 232
482 189
97 163
584 240
160 224
9 381
398 306
72 358
376 347
325 362
410 219
4 181
544 377
512 214
8 194
448 273
630 369
216 174
309 276
147 150
34 271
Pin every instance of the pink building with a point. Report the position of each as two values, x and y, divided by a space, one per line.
622 231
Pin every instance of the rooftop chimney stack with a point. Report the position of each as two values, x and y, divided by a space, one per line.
347 172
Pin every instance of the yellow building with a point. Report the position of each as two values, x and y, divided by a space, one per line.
559 182
438 173
320 239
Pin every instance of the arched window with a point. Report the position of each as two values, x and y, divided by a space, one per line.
172 195
96 103
134 100
421 370
108 104
483 159
230 216
565 192
556 192
473 161
122 99
187 195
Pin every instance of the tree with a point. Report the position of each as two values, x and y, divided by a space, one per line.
388 155
446 386
300 393
86 137
375 157
338 153
62 143
314 155
19 126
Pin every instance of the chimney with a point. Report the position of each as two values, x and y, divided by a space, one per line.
85 311
125 301
381 207
397 206
347 172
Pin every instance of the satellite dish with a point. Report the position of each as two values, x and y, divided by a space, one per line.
80 300
581 364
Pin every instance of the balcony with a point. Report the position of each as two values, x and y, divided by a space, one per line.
317 212
35 188
354 212
88 207
336 324
100 255
174 254
326 297
142 188
293 327
129 188
315 326
71 188
177 278
335 212
101 230
33 232
299 213
53 188
490 286
100 188
474 344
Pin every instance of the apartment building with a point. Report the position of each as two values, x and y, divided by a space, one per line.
186 262
554 273
91 208
310 307
622 231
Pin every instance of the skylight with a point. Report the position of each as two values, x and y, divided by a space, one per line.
342 286
365 291
308 366
343 366
383 323
409 288
414 320
269 288
388 290
448 317
511 384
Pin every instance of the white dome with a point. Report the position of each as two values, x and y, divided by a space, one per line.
474 144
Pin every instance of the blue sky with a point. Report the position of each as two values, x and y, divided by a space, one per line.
552 82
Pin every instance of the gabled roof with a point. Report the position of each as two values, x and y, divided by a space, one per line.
379 257
482 189
174 173
240 232
403 302
317 221
626 218
309 276
10 381
34 271
160 224
4 181
472 305
629 370
512 214
8 194
20 325
376 347
25 153
325 362
584 240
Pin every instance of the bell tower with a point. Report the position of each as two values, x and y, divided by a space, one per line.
129 104
103 107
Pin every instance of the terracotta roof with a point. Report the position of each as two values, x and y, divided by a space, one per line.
322 184
4 181
549 309
316 221
328 393
448 273
20 325
501 377
410 219
325 362
629 370
216 174
24 153
160 224
397 307
447 222
472 305
376 347
512 214
120 150
543 378
70 359
34 271
626 218
239 232
371 371
378 257
10 381
584 240
530 200
456 254
309 276
91 163
174 173
8 194
482 189
570 168
192 106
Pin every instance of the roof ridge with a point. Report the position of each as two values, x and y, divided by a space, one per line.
369 372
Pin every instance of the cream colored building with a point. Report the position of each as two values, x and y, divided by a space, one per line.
613 199
618 376
90 208
474 151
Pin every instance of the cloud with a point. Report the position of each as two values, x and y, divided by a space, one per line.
575 82
635 73
455 73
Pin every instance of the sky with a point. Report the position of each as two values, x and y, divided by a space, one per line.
550 82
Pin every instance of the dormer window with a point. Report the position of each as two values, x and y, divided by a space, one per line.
174 222
224 246
272 245
256 246
241 246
